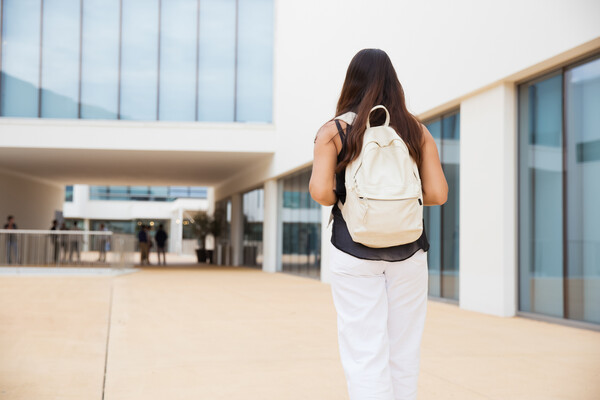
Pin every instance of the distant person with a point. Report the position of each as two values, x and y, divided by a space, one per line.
74 242
143 237
12 251
161 239
103 244
63 241
55 242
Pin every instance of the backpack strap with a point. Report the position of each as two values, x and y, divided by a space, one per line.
340 131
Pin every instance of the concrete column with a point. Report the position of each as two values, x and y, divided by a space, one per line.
488 203
325 243
86 236
270 226
237 229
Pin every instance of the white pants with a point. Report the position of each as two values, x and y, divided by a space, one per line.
381 309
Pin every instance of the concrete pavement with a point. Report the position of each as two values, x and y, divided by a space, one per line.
238 333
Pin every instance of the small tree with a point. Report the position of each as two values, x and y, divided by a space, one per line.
203 223
216 226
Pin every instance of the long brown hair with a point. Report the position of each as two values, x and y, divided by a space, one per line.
371 80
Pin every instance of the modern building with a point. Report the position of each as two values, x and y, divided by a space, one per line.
124 209
228 94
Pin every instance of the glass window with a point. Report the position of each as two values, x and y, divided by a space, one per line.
198 192
119 192
178 191
60 59
252 205
216 61
20 58
178 53
100 59
69 193
450 210
140 193
541 205
99 192
582 85
255 61
442 222
139 60
433 224
300 224
159 193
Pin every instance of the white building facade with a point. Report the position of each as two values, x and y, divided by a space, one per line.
229 95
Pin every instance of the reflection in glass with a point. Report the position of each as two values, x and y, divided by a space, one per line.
139 60
118 192
255 61
216 61
300 224
178 49
433 224
442 222
20 58
583 191
450 210
60 56
100 59
253 210
541 189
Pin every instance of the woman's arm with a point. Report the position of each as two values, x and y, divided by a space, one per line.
433 181
322 180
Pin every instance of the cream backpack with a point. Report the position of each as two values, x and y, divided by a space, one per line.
384 200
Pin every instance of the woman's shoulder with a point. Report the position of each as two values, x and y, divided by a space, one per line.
328 131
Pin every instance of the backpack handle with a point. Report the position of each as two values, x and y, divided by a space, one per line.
387 116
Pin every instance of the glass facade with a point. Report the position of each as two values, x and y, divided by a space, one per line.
168 60
146 193
100 59
559 161
253 212
442 222
223 239
300 227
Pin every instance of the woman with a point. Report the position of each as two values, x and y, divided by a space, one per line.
380 294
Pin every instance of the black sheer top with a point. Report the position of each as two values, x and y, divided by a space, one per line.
340 236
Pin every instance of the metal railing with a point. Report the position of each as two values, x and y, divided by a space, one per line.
55 248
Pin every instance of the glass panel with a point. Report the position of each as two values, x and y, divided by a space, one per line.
450 210
100 59
60 58
139 60
252 206
433 225
99 193
255 61
178 191
583 191
139 193
541 190
69 193
300 219
178 49
159 193
198 192
20 58
119 192
216 68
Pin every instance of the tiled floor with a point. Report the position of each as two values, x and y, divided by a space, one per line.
238 333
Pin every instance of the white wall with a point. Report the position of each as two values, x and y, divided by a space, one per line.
443 52
488 203
32 202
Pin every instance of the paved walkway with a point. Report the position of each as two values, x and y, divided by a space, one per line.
237 333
